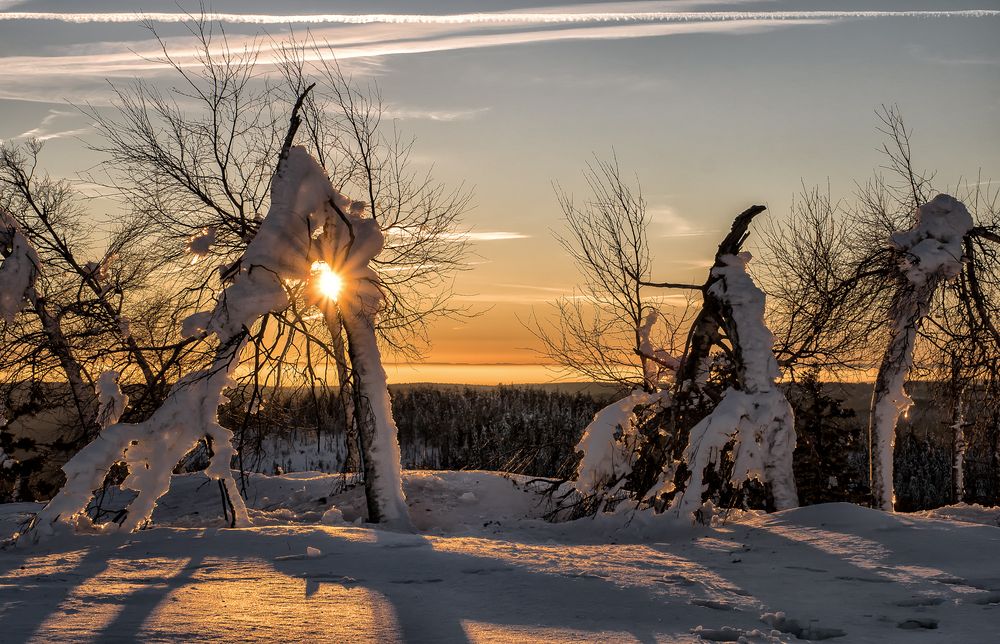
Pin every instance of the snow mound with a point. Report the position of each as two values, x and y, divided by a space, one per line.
966 512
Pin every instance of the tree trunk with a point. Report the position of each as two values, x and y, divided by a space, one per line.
958 449
376 427
889 399
352 461
84 396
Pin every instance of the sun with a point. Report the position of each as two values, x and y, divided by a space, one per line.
327 281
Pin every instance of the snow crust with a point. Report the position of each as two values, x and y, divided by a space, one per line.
19 268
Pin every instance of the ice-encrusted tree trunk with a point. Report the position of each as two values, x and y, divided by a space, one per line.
958 446
754 416
111 402
930 253
373 418
18 275
350 243
18 270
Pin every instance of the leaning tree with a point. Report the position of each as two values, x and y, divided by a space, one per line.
308 221
706 413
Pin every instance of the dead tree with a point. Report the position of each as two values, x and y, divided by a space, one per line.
614 330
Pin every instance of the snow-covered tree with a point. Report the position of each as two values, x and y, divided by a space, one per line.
754 417
642 446
195 162
610 445
308 221
931 253
19 269
94 307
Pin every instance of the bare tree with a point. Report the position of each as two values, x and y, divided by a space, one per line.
195 162
835 276
615 330
93 308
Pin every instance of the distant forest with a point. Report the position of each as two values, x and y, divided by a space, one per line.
534 430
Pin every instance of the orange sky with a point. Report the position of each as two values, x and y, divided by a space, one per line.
711 116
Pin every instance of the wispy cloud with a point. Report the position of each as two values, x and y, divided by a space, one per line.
48 130
483 236
412 114
136 58
498 18
366 37
920 53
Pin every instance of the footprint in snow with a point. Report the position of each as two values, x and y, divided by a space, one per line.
870 580
806 568
915 602
486 571
714 604
811 631
986 599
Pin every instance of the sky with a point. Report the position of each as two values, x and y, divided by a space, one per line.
713 106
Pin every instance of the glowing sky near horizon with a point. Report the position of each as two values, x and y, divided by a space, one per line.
730 104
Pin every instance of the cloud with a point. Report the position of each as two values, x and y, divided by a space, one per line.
46 131
484 236
73 74
138 58
412 114
921 54
670 223
493 18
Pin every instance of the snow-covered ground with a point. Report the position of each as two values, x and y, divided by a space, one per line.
484 567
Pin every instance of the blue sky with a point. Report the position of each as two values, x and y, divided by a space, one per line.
711 114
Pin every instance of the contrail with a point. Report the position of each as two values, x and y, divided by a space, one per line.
490 18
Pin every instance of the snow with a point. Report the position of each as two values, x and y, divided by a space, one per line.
610 442
19 268
111 402
199 245
758 418
491 570
931 253
933 246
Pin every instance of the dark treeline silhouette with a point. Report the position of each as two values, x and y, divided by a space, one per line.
534 431
517 429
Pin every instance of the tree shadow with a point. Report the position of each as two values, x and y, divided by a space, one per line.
433 593
865 566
